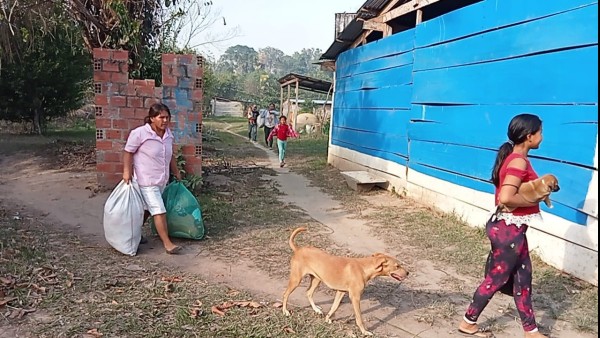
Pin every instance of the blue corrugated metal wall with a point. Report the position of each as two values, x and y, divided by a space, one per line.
452 84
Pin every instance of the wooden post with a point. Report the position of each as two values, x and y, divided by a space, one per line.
281 98
288 101
419 16
297 105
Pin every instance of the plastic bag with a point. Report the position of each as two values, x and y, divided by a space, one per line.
260 121
123 218
184 217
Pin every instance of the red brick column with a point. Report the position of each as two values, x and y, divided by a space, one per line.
121 105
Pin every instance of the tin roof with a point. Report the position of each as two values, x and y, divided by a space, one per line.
307 83
369 10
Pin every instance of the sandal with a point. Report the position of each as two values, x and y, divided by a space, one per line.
174 251
482 333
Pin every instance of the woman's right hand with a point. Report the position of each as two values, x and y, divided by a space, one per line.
127 177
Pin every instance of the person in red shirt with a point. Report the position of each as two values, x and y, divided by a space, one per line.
508 267
282 131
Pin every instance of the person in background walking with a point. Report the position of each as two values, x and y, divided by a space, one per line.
271 117
282 131
252 122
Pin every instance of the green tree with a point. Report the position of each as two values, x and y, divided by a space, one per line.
51 77
239 60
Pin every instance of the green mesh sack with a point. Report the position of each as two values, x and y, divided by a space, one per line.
184 217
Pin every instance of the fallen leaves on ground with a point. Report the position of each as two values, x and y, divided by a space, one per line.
221 309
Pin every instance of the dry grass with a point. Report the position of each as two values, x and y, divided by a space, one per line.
446 240
242 212
53 285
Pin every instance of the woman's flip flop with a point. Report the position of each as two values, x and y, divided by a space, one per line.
175 250
479 333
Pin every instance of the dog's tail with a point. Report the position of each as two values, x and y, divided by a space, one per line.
292 244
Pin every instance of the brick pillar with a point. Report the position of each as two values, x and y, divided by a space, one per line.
121 105
110 88
182 77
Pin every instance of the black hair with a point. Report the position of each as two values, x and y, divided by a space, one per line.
155 110
519 128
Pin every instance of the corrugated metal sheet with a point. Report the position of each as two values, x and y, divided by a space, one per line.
353 29
372 7
341 21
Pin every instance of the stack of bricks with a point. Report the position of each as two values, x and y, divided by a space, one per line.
121 105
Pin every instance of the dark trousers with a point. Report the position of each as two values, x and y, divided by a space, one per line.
267 132
508 262
252 131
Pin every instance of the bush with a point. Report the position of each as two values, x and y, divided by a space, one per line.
48 80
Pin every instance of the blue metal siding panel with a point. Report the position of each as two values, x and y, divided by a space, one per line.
469 78
470 167
385 130
565 77
387 62
380 120
393 45
570 29
489 15
485 127
372 152
378 79
397 97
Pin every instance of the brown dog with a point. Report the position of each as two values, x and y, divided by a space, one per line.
342 274
536 191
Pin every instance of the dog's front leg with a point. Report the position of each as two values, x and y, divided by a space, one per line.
336 303
548 202
355 298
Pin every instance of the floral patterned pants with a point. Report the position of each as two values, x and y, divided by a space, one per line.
508 263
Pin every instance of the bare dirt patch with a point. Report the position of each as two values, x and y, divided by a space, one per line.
53 285
242 212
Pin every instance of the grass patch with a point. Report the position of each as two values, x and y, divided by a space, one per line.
226 119
41 144
242 211
56 286
309 153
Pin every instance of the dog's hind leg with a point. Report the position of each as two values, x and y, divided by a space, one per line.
295 279
336 303
314 282
355 298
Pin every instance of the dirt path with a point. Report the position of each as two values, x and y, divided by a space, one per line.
61 198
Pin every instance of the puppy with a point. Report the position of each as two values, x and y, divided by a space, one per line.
342 274
536 191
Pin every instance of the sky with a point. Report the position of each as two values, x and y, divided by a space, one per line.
283 24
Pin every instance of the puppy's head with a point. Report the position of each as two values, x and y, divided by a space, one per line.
550 183
389 266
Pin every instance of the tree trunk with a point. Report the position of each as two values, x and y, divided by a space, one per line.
37 116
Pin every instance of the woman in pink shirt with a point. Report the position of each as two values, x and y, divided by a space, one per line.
508 267
147 159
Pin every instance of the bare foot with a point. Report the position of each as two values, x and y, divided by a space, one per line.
536 334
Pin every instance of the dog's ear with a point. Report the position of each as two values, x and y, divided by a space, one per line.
380 263
378 254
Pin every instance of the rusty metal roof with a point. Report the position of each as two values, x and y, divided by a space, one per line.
308 83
